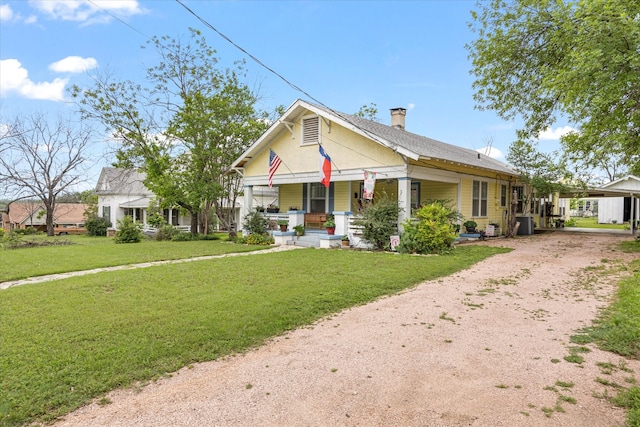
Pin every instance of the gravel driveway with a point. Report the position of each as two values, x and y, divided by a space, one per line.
484 347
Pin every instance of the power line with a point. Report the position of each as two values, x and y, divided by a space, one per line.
262 64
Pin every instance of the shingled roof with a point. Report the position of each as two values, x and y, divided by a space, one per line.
420 145
121 181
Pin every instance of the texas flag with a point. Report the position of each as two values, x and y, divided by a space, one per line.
325 167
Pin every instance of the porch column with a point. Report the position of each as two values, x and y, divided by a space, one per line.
404 200
247 205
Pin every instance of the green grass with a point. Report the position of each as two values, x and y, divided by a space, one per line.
593 223
618 330
67 342
87 253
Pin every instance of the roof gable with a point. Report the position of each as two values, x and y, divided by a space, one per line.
121 181
407 144
629 182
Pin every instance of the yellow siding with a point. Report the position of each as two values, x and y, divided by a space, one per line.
347 150
495 213
466 191
342 196
433 190
290 196
382 188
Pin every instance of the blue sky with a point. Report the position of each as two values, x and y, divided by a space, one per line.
345 54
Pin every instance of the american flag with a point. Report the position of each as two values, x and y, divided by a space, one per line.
274 162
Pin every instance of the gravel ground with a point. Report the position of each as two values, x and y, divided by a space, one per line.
479 348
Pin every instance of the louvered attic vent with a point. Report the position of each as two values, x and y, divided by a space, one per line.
311 130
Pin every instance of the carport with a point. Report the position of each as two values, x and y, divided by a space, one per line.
622 188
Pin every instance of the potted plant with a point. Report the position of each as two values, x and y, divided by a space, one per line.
299 229
470 226
283 223
273 208
345 240
330 225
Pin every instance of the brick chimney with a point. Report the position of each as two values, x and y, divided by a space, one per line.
397 117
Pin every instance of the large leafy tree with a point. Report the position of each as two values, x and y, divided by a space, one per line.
185 129
538 59
42 159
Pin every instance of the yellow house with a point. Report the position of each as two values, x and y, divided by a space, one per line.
409 168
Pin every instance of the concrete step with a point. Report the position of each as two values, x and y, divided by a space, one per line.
307 241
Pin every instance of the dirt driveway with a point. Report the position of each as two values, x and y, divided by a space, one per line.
484 347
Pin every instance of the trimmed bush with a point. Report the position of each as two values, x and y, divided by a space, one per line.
128 231
97 226
432 232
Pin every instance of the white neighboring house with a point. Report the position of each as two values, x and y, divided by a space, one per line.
121 192
620 209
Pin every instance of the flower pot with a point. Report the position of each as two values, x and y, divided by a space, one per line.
470 229
331 231
345 243
283 227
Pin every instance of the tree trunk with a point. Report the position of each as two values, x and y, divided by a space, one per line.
511 225
194 222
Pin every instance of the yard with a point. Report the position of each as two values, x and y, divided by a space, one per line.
86 253
592 222
66 342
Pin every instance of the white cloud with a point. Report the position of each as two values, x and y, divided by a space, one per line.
411 106
87 12
6 14
14 78
73 64
555 135
492 152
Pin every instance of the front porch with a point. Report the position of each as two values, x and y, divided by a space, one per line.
316 236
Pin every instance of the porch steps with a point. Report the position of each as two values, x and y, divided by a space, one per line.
308 240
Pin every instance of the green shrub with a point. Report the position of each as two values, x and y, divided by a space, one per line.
167 232
25 231
97 226
571 222
1 232
128 231
156 220
187 237
432 231
255 223
379 222
256 239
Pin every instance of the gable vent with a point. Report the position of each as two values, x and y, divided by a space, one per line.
311 130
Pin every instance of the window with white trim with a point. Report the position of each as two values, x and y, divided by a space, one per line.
310 130
503 195
479 201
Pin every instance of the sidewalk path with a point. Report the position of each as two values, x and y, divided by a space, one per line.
50 277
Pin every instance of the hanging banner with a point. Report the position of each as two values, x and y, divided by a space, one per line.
369 185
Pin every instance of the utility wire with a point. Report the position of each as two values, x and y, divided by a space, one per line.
262 64
258 61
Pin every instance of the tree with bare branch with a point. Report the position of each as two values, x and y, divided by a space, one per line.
42 160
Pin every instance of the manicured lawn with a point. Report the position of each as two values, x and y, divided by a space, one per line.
593 223
87 253
66 342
